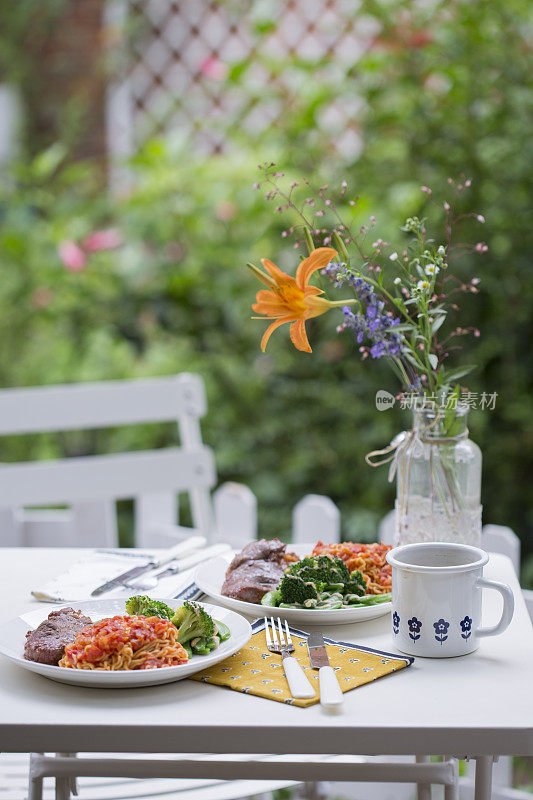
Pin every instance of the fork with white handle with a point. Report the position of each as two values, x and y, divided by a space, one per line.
299 685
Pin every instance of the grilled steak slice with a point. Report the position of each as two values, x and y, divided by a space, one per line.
252 579
262 550
46 644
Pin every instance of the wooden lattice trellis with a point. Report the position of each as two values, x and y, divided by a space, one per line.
206 70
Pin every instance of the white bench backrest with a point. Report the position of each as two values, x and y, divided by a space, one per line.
100 405
91 484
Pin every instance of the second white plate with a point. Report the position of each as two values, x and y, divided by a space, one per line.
210 577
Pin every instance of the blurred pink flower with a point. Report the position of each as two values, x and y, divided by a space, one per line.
72 256
213 68
226 211
42 297
102 240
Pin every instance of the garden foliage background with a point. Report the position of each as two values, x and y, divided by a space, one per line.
443 88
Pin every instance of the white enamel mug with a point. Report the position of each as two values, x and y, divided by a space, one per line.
436 599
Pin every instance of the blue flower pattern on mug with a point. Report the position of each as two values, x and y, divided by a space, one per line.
396 622
441 630
414 628
466 627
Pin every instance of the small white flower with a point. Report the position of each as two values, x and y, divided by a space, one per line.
431 269
393 256
397 281
423 286
442 250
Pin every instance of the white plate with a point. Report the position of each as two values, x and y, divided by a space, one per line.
13 636
210 577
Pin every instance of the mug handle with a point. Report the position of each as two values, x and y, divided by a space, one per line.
508 607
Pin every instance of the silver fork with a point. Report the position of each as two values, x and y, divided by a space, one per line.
299 685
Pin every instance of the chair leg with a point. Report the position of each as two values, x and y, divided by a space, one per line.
35 785
35 789
62 788
311 790
452 792
67 786
483 790
423 790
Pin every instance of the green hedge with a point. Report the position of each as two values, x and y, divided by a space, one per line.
440 91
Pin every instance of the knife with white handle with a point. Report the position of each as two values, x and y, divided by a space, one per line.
150 581
330 691
182 548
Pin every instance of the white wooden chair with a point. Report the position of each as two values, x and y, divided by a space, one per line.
89 487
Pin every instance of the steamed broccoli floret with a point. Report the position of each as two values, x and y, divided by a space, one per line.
356 584
323 569
193 622
294 589
142 606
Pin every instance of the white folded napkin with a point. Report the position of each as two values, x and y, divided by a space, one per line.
84 575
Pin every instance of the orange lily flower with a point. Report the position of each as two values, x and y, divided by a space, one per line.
289 299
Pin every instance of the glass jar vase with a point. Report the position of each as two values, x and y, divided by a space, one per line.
438 479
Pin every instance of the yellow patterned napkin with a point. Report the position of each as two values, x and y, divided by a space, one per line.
254 670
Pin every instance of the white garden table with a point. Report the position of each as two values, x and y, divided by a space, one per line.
479 705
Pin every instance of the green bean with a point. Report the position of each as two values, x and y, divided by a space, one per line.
325 596
270 598
223 631
331 603
373 599
353 600
334 587
334 600
201 648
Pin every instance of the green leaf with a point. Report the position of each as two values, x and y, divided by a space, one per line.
459 373
433 360
451 423
437 323
411 359
46 163
237 70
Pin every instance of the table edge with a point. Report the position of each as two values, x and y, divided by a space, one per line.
339 740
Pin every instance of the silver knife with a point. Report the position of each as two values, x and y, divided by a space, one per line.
123 552
150 582
330 691
179 549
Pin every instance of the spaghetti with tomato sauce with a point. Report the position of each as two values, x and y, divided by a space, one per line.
125 643
369 559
